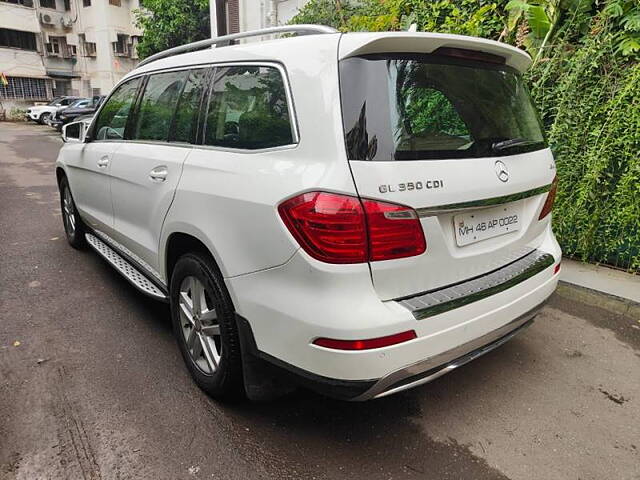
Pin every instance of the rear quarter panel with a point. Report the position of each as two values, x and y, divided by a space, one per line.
229 198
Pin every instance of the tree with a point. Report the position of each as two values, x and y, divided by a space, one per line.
469 17
169 23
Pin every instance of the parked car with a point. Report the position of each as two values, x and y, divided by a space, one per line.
75 110
359 221
53 118
41 113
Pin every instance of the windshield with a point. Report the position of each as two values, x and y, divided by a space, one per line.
413 107
54 101
83 102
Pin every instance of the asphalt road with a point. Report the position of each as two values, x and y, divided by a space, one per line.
96 387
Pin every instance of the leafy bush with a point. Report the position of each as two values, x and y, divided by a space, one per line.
17 114
589 97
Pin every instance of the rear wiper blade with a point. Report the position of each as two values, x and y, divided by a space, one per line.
510 143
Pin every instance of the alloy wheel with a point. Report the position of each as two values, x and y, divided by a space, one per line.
68 212
200 327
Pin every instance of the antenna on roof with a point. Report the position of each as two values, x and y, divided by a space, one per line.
227 39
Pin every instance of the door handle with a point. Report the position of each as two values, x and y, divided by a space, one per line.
103 162
159 174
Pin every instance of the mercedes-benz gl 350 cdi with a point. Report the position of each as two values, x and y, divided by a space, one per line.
359 213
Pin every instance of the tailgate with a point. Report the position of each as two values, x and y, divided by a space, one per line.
452 133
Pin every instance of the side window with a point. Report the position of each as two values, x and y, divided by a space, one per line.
186 120
158 105
248 109
113 116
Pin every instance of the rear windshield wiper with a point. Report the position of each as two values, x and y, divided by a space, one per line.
510 143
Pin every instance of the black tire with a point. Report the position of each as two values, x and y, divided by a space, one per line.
74 228
224 380
43 118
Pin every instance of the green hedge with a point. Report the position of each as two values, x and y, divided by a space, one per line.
589 99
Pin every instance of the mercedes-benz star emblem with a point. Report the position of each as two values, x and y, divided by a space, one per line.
501 171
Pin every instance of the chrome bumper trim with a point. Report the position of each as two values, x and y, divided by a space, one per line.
483 203
431 368
448 298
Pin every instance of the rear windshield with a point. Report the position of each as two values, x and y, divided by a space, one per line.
415 107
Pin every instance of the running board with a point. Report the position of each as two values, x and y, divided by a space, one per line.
126 269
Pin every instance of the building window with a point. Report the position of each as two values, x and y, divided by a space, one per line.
67 5
56 46
116 3
24 3
121 47
72 51
86 3
62 88
21 88
88 49
18 39
48 4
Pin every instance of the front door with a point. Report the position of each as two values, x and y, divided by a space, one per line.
88 171
90 168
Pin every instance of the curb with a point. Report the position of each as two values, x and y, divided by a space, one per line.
618 305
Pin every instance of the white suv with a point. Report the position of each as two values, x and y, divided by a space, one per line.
358 213
42 113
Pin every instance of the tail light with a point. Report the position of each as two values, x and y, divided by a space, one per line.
551 197
367 344
342 229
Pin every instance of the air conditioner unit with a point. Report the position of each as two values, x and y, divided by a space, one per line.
47 19
67 22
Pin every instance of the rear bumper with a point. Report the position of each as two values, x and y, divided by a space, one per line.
429 369
406 378
291 305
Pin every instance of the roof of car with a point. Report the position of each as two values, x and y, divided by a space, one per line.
309 47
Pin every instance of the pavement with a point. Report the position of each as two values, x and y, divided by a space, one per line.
601 278
92 384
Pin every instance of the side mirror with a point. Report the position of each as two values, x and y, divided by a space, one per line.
74 132
58 105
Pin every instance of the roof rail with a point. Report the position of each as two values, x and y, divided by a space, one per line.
225 39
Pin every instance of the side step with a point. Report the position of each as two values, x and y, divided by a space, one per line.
126 269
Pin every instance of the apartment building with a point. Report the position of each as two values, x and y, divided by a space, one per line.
64 47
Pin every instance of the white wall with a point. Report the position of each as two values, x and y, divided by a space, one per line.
254 14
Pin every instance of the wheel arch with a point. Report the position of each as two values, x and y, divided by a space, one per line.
185 240
60 174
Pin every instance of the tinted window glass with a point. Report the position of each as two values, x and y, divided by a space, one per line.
113 117
412 107
248 109
186 120
158 105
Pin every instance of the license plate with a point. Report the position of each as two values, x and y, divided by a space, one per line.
479 225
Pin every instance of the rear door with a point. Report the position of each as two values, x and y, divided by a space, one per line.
146 169
455 136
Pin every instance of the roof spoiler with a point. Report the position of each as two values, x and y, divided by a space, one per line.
355 44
